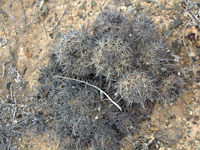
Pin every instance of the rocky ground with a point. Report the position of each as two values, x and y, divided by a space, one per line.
28 28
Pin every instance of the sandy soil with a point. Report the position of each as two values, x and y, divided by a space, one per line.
28 28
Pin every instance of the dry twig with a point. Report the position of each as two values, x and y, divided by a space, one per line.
93 87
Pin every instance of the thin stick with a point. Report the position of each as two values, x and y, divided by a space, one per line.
4 67
184 35
46 50
93 87
3 44
59 19
44 26
25 21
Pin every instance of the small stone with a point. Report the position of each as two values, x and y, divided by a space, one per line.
191 82
165 3
24 70
194 122
139 7
170 27
27 54
51 35
177 22
161 20
168 33
106 7
83 6
148 1
169 135
83 18
176 46
128 3
70 18
196 106
176 7
197 136
196 118
191 73
93 3
80 15
194 59
1 39
183 123
196 50
8 85
129 10
162 7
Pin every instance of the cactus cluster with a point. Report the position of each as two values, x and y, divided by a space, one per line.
124 57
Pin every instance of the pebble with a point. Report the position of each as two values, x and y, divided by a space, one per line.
83 18
129 10
177 22
24 70
168 33
196 118
1 39
176 7
188 132
162 7
70 18
169 135
177 46
183 123
196 51
128 3
106 7
194 59
8 85
191 73
27 54
171 26
197 136
51 35
196 106
194 122
161 20
83 6
139 7
93 3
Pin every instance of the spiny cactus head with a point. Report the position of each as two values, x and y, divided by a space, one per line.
157 58
135 87
113 55
74 51
108 20
170 89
